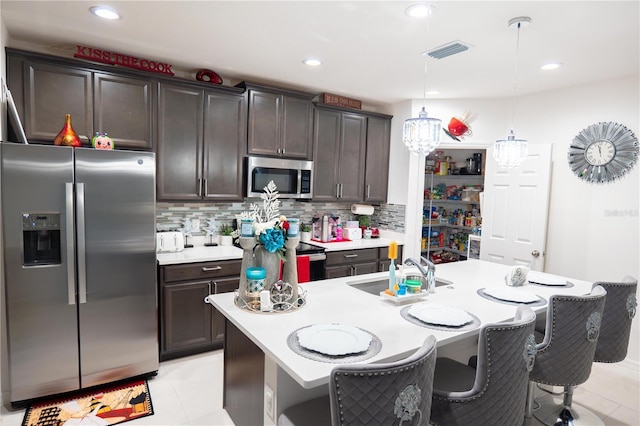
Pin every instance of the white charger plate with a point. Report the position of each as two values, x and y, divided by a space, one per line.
511 294
440 315
545 279
334 339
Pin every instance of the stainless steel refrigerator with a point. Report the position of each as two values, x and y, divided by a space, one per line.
79 267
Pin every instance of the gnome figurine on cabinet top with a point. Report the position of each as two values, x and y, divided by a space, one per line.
102 141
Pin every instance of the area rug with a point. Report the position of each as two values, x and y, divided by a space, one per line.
100 407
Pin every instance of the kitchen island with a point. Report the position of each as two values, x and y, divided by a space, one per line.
263 375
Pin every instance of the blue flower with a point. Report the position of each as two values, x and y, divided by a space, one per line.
272 239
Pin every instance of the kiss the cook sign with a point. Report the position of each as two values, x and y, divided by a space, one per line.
112 58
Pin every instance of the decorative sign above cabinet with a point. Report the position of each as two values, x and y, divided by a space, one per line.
341 101
112 58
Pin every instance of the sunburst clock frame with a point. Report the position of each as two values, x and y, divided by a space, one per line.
603 152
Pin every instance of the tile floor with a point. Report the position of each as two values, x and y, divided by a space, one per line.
188 391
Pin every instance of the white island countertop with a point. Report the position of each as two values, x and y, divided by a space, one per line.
335 301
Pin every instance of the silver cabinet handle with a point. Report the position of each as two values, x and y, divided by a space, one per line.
337 190
71 263
215 287
349 256
206 188
80 234
199 187
368 191
215 268
535 253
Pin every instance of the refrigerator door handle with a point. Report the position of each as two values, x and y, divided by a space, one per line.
71 266
80 232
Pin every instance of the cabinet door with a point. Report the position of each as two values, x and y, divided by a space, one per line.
297 120
264 123
186 320
365 268
338 271
377 160
179 150
224 141
225 285
351 157
326 151
123 109
51 91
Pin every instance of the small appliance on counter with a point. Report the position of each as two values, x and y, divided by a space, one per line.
169 242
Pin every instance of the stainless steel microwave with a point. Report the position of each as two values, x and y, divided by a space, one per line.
293 178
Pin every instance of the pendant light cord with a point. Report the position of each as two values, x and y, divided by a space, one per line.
515 79
424 77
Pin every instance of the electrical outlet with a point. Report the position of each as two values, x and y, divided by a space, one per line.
269 401
195 224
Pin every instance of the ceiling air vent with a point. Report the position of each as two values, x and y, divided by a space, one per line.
448 49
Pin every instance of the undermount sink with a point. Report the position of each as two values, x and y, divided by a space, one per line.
377 285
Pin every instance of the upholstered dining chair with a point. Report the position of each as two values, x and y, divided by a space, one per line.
619 310
565 355
493 393
372 394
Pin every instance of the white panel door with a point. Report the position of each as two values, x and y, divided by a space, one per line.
516 203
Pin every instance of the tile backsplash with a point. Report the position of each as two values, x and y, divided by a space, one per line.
170 216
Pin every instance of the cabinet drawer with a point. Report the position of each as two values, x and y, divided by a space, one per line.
351 256
196 271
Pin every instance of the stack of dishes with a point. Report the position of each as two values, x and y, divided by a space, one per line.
334 339
440 315
541 278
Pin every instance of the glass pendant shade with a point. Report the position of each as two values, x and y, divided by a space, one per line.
422 135
509 153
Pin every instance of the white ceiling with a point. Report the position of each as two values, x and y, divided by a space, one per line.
371 49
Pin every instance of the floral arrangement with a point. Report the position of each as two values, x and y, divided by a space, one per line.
270 227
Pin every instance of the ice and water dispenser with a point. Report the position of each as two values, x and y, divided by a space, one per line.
41 239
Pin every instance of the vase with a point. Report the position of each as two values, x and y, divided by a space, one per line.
67 136
270 262
305 236
226 240
290 268
248 261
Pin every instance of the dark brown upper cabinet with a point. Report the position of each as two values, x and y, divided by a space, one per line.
280 122
376 176
201 140
123 108
47 88
351 155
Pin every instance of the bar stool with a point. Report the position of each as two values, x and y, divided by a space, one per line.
619 311
372 394
495 392
565 356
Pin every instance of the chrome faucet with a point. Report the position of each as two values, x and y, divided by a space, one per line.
429 274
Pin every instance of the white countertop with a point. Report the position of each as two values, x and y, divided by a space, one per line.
200 254
211 254
334 301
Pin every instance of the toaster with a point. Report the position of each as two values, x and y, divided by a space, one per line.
169 242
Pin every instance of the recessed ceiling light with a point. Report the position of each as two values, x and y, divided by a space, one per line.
432 92
312 62
551 66
420 10
104 12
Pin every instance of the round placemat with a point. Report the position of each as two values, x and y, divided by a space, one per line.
466 327
567 285
374 347
541 300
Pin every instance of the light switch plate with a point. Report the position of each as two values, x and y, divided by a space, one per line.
269 401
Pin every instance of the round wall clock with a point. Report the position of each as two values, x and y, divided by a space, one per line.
603 152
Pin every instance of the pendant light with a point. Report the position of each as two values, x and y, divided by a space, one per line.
422 135
509 153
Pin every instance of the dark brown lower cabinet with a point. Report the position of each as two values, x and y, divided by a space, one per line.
243 378
189 325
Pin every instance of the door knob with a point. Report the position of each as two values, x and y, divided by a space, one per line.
535 253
